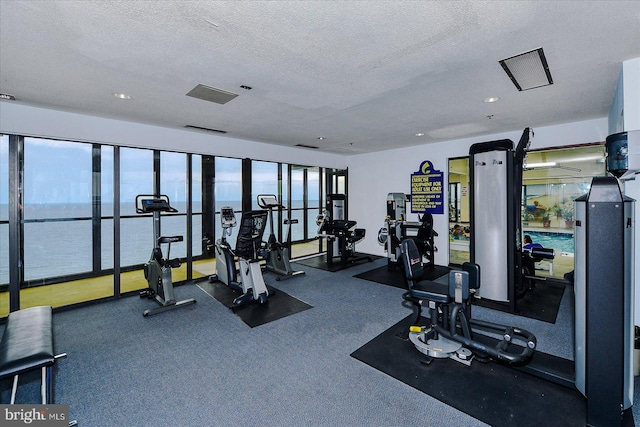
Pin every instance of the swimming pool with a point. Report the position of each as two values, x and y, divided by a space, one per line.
558 241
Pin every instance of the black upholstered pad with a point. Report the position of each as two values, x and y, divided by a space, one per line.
27 342
432 291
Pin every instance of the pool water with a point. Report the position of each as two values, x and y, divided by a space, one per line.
561 241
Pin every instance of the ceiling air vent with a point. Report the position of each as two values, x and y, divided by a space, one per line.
211 94
528 70
205 129
307 146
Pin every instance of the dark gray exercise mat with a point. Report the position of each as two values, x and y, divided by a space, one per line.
320 262
492 393
396 277
278 306
542 303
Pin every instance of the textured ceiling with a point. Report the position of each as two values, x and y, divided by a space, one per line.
365 75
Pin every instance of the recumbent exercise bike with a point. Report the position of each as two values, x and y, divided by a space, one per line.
248 252
157 270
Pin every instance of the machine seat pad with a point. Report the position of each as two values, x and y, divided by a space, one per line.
431 291
358 235
542 253
27 342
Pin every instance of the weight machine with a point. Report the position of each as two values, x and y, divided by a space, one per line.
396 229
341 234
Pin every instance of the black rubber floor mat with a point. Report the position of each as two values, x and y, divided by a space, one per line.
542 303
278 306
490 392
320 262
396 278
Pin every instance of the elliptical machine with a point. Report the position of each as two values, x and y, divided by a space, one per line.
250 281
277 253
157 270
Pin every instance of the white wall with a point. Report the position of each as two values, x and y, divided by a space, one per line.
373 175
40 122
631 89
631 101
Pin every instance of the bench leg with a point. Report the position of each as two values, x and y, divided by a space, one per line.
44 386
14 389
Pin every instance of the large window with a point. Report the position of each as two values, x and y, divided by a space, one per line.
57 208
313 201
196 197
78 224
136 231
4 209
459 210
228 191
173 183
106 206
553 180
264 180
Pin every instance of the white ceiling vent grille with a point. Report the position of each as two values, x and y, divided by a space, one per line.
211 94
528 70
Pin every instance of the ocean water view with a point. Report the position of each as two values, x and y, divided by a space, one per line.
64 246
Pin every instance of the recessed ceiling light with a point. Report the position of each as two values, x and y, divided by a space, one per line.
321 138
491 99
245 87
121 95
420 134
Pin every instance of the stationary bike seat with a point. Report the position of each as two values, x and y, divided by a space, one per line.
169 239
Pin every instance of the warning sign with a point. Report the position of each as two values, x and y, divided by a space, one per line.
426 190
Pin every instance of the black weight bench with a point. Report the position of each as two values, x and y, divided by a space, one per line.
27 345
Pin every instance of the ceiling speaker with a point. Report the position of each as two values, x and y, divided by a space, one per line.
211 94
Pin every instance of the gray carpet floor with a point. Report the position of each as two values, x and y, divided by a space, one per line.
202 366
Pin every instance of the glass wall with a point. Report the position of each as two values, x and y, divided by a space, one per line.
264 180
552 180
4 211
228 192
459 210
196 207
57 208
297 201
136 230
77 196
173 183
314 202
106 206
4 225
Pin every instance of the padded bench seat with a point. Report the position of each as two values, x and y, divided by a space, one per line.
27 344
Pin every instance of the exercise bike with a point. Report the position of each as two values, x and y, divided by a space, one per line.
277 254
157 271
250 281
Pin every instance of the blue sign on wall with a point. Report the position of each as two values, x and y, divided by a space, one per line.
426 190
